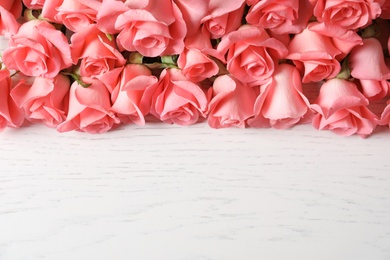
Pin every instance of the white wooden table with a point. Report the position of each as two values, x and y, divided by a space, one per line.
169 192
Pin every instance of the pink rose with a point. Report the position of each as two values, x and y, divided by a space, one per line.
153 28
385 116
281 16
213 17
222 17
196 66
343 109
13 6
252 55
77 14
132 97
8 24
89 109
34 4
10 114
231 104
348 14
316 61
97 53
45 101
367 61
38 49
281 103
178 100
344 40
374 90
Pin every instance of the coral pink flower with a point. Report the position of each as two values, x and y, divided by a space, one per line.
314 55
89 109
38 49
342 109
153 28
231 104
46 100
252 55
281 103
344 40
348 14
178 100
367 61
77 14
213 17
222 17
281 16
196 66
10 114
97 53
132 96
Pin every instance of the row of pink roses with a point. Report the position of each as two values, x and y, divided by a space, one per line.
230 73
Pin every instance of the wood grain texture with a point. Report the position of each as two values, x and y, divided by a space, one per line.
168 192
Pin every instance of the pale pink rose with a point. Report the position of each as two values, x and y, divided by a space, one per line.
281 16
38 49
214 17
222 17
196 66
10 114
348 14
13 6
97 53
342 109
77 14
231 104
89 109
44 101
252 55
176 100
281 103
8 24
314 55
344 40
367 61
374 90
131 99
153 28
34 4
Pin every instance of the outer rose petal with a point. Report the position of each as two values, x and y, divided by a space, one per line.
367 61
231 104
8 24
